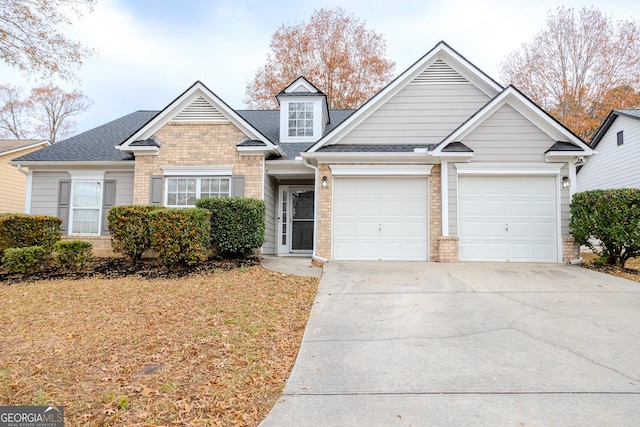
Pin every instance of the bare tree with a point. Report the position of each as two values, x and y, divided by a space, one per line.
31 39
579 68
334 51
14 121
52 110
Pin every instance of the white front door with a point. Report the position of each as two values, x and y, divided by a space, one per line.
508 218
380 218
296 218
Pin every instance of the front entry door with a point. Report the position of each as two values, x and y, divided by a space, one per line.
296 219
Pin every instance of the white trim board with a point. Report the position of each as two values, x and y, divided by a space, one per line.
381 170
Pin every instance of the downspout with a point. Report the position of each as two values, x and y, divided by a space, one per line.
315 212
27 200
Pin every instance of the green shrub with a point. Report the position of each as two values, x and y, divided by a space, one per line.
180 236
20 231
73 254
24 260
129 228
613 218
237 224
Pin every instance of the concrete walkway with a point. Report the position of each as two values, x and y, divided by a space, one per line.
467 344
299 266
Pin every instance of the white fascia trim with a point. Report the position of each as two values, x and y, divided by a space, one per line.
378 170
509 168
144 151
127 164
197 170
564 156
286 167
400 157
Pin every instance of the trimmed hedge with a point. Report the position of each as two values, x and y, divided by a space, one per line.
613 218
73 254
25 260
237 224
129 228
180 236
20 231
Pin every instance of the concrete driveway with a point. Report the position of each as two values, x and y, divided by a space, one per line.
467 344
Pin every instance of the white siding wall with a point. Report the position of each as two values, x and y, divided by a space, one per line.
270 201
44 193
614 166
421 113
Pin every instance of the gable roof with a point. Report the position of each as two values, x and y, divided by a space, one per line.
200 95
527 108
613 115
9 146
442 51
97 144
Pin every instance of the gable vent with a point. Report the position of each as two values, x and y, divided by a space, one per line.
200 110
439 72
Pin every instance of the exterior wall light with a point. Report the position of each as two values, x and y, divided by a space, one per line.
566 182
324 182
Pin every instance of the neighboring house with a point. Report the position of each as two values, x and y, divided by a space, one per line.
13 182
617 143
443 164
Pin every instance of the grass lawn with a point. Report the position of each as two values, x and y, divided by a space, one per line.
209 349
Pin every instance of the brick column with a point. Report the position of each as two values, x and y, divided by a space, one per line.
325 196
447 249
435 212
570 249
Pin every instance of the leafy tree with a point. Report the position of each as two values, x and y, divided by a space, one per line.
31 40
46 113
579 68
334 51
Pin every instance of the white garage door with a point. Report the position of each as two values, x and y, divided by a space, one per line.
507 218
381 218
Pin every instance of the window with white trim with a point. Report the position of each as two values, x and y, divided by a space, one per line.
300 119
183 192
86 201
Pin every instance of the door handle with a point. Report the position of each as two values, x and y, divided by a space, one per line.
506 228
379 227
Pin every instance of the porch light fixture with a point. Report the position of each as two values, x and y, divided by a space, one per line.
566 182
324 182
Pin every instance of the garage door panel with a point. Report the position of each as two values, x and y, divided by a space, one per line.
389 215
509 219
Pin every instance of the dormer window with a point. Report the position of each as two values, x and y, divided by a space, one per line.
300 119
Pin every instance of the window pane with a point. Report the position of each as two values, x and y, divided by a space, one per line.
224 186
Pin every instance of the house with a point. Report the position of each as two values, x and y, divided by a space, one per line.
617 142
443 164
13 182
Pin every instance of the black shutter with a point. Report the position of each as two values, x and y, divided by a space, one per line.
64 200
109 201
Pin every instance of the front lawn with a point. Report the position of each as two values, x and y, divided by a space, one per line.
207 349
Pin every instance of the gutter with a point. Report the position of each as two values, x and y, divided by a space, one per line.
315 213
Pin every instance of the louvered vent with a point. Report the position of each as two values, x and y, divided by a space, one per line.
439 72
200 110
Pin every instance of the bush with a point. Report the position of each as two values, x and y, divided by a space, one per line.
24 260
20 231
180 236
613 218
73 254
129 228
237 224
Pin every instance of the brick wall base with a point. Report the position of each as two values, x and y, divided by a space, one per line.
570 249
101 245
447 249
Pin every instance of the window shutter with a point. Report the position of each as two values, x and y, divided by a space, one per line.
155 193
64 200
237 185
108 203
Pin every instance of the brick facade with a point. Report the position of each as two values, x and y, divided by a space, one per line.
447 249
198 144
435 212
570 249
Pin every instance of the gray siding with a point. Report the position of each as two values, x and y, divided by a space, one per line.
614 166
44 193
271 208
421 113
124 186
507 136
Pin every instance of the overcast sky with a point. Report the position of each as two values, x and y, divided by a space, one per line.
150 51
